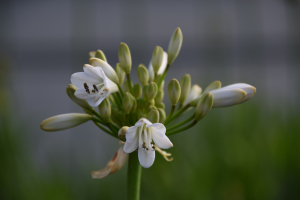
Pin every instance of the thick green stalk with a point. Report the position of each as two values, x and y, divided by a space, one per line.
179 112
163 76
182 129
182 123
120 90
129 83
133 177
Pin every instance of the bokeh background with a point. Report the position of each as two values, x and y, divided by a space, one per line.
249 151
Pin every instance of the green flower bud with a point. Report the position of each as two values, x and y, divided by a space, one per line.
213 86
65 121
157 58
141 103
159 96
162 115
122 117
82 103
143 74
137 90
174 45
174 91
153 116
120 74
151 91
125 87
162 85
160 105
105 110
204 105
92 54
127 102
125 58
99 54
122 133
185 85
134 105
88 112
151 108
151 103
115 115
140 113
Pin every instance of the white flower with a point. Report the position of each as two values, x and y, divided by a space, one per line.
141 135
161 69
93 85
194 93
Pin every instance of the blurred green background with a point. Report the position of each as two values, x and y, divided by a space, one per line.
249 151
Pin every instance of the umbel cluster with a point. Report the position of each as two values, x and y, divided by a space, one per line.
134 113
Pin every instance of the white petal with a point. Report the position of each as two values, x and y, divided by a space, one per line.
249 89
158 132
227 97
109 84
131 133
95 100
163 64
108 70
93 71
81 94
194 93
150 71
213 86
79 78
142 121
146 158
131 145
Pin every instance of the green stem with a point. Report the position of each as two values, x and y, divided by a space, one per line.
127 119
109 125
117 101
182 123
100 118
171 112
129 83
120 90
133 177
182 129
105 130
179 112
163 76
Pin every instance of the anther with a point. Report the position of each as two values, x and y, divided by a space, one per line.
96 89
87 90
93 91
85 86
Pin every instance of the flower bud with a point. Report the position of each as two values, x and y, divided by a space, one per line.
122 133
141 103
174 91
140 114
162 115
120 74
122 117
125 58
105 110
107 69
159 96
65 121
174 45
249 89
204 105
134 105
153 116
157 58
185 85
160 105
194 93
125 87
227 97
143 74
213 86
162 85
99 54
92 54
127 102
115 115
151 91
137 90
151 108
82 103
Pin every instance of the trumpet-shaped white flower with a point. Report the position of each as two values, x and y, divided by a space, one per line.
161 69
141 135
93 85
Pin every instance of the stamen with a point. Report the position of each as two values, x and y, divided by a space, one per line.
85 86
93 91
96 89
87 90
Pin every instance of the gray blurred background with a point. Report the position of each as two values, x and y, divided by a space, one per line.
43 42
